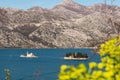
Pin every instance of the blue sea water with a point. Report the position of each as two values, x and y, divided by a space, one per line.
45 67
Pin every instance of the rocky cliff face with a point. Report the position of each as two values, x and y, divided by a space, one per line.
67 25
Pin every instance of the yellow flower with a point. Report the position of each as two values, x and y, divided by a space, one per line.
117 66
63 68
104 60
109 67
82 68
117 77
96 74
111 78
101 78
72 68
108 74
81 78
102 45
73 75
79 71
87 76
100 65
110 61
92 65
64 77
102 52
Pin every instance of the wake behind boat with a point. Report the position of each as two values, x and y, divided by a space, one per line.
28 55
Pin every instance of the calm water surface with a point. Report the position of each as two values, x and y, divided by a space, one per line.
45 67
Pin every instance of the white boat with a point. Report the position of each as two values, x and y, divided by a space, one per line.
28 55
76 56
72 58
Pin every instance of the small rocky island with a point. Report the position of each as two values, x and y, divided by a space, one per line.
76 56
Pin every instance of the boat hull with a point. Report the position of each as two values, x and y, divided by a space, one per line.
71 58
28 57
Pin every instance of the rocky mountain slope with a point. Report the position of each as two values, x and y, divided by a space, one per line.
67 25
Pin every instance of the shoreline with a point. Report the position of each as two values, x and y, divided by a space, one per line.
53 48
